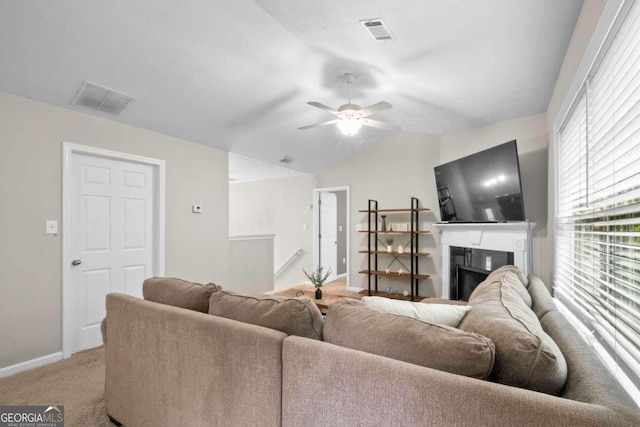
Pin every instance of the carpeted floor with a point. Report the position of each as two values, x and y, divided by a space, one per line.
77 383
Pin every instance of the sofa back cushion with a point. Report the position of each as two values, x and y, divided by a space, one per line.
542 301
514 269
442 314
525 355
353 324
508 276
179 293
293 316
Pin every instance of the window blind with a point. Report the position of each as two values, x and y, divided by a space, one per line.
598 199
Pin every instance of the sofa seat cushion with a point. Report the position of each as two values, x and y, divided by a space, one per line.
293 316
525 355
443 314
351 323
179 293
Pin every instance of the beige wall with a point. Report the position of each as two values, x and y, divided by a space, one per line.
281 207
250 264
31 136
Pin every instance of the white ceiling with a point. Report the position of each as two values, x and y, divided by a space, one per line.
236 74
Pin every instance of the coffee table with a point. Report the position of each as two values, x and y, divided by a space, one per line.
322 304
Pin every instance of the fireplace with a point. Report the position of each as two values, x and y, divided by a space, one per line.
468 267
514 238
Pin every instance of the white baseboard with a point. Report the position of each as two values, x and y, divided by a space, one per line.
30 364
355 289
273 292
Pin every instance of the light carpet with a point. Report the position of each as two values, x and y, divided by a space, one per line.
77 383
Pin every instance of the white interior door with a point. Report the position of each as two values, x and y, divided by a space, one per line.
328 233
111 238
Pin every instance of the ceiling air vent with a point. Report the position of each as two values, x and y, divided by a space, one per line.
377 29
99 98
286 159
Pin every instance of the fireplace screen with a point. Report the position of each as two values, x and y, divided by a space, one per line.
469 267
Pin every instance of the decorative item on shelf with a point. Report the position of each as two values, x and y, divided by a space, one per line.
384 223
389 241
400 249
387 270
405 292
401 226
400 272
317 278
389 290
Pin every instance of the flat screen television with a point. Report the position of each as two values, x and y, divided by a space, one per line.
482 187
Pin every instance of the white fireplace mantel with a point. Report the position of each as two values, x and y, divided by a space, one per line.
508 237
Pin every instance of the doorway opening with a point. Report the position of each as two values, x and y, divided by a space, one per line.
330 232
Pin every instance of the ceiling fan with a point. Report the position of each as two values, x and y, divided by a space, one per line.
351 117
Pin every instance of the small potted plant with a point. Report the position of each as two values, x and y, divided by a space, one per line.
317 278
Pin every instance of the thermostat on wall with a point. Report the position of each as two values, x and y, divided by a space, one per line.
196 208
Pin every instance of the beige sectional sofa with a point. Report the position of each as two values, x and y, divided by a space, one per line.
171 365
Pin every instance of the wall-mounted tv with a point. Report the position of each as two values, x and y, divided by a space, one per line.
482 187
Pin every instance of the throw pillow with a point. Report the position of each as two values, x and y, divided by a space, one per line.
293 316
179 293
525 355
353 324
443 314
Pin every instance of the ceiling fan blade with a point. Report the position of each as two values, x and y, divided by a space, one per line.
324 107
330 122
380 125
375 108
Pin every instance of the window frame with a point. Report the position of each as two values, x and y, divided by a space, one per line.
612 17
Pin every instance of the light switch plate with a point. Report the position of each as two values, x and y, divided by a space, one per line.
51 227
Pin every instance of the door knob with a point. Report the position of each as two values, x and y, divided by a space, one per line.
76 262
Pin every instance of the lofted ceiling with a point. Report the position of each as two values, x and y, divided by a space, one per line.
237 74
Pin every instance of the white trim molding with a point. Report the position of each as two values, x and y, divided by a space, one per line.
159 166
251 237
30 364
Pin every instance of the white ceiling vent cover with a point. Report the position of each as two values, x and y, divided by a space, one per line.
377 29
102 99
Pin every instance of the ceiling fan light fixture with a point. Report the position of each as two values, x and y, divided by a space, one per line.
349 126
351 117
